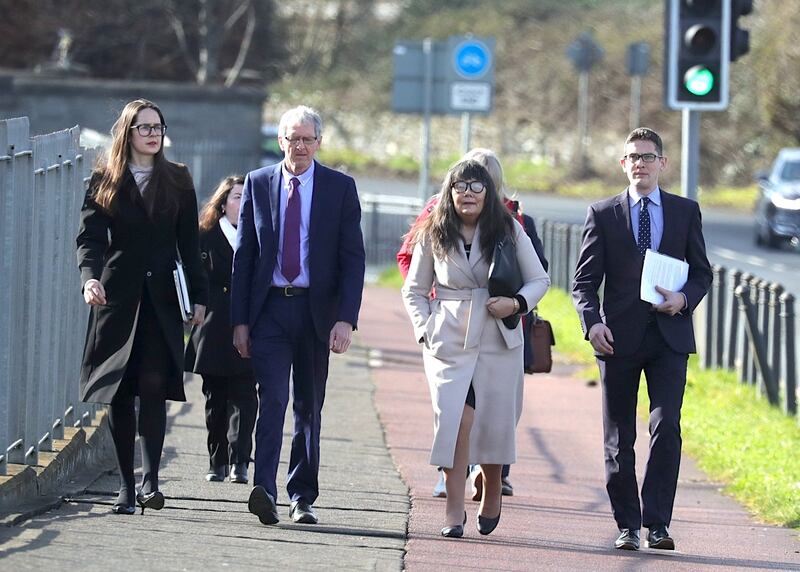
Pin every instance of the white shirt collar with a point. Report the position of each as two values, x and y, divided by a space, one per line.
304 177
228 230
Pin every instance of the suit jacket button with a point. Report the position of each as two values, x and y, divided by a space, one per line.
224 288
149 274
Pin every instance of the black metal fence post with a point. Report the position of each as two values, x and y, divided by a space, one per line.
742 347
773 331
789 378
718 325
731 319
756 342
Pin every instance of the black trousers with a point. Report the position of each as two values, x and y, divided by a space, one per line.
231 406
665 373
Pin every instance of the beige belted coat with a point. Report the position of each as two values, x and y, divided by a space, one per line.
463 344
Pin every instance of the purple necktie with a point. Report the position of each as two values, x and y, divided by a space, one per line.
290 262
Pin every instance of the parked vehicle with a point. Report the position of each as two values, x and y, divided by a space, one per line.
777 216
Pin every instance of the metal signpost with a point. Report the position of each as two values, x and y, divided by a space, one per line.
451 77
585 53
638 60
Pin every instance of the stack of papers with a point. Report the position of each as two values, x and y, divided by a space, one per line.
661 270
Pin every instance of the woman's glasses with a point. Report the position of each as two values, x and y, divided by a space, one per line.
462 187
147 129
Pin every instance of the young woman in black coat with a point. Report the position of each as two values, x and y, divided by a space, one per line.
228 381
138 210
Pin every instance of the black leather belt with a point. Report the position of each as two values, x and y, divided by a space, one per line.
289 291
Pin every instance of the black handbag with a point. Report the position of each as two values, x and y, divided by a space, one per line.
505 277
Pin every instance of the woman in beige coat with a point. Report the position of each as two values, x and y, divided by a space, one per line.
473 362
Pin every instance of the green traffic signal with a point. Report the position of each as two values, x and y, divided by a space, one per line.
698 80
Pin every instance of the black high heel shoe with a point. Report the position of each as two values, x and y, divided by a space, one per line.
456 531
487 525
124 504
154 500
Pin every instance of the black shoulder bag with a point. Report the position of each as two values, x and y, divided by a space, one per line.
505 278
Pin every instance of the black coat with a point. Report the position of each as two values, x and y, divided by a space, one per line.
128 251
210 350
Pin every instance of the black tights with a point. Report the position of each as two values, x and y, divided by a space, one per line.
152 427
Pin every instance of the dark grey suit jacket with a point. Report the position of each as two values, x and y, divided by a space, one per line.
609 252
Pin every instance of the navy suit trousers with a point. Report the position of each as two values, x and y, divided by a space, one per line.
665 372
283 341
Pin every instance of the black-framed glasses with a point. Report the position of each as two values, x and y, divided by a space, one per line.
147 129
306 141
463 186
646 157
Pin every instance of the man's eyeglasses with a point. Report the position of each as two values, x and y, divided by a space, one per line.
461 187
147 129
306 141
646 157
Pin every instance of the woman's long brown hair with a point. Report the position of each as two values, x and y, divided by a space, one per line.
212 210
114 164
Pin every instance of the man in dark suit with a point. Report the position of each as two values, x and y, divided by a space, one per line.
298 276
630 335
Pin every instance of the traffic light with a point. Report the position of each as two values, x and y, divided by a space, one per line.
698 51
740 39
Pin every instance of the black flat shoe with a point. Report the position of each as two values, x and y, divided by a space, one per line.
487 525
628 539
154 500
456 531
263 505
239 473
216 474
658 537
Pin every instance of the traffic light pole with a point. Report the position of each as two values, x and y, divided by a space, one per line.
690 152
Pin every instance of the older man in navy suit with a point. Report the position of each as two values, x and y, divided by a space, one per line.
298 276
630 336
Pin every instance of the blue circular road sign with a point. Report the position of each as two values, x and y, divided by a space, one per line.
472 59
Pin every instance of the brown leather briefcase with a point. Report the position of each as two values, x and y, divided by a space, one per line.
542 340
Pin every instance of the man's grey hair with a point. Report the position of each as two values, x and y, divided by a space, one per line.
300 114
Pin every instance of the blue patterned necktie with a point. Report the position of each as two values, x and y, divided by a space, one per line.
644 227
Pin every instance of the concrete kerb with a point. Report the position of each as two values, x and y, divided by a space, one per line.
67 471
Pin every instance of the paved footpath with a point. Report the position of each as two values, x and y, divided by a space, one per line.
559 517
375 506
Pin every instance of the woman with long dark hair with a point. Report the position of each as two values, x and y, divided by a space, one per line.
473 362
139 215
228 381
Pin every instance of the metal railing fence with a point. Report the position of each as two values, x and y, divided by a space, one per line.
384 221
43 322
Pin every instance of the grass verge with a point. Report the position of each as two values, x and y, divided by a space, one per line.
736 438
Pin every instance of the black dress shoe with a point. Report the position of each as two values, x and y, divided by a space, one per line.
216 474
302 512
263 505
154 500
628 539
658 537
487 525
239 473
506 488
456 531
